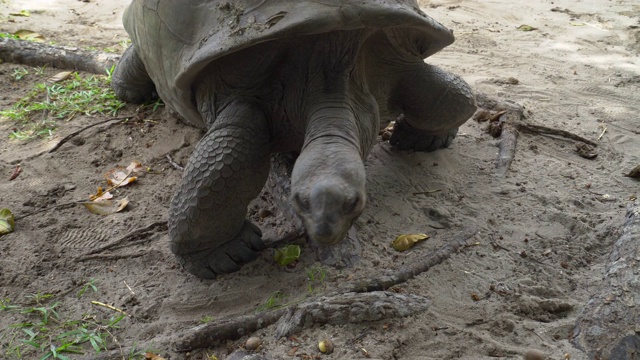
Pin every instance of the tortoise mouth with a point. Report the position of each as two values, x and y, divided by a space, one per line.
320 235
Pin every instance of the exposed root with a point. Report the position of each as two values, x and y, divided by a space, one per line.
543 130
608 325
362 300
61 57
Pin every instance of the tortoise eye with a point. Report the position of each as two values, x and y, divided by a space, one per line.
302 203
351 204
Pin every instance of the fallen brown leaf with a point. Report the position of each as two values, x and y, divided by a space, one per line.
119 178
152 356
106 207
59 77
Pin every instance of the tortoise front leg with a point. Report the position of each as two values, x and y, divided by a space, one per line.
130 80
207 227
434 103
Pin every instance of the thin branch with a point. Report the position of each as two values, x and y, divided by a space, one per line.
73 134
543 130
59 206
162 225
381 282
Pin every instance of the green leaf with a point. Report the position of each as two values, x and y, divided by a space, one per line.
116 320
95 345
286 255
32 343
23 13
7 222
526 28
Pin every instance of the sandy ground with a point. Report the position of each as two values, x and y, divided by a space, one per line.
579 71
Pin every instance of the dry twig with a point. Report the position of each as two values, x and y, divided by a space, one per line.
161 225
73 134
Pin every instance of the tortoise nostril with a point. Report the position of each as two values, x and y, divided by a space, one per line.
323 230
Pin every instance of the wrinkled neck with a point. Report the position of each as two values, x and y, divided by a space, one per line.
331 147
332 127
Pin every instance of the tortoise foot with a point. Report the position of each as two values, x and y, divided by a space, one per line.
226 258
407 137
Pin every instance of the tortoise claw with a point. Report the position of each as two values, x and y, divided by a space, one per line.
407 137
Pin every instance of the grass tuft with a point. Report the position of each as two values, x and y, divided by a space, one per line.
36 114
40 332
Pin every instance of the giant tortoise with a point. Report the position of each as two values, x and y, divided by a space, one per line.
319 78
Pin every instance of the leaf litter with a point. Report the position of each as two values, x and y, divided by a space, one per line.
7 222
102 202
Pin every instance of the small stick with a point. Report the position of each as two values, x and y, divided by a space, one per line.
128 287
604 130
174 164
98 303
65 205
426 192
110 257
73 134
507 147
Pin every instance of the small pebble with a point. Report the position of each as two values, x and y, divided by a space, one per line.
253 343
534 355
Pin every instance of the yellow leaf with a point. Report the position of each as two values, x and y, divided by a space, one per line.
405 242
526 28
106 207
29 35
152 356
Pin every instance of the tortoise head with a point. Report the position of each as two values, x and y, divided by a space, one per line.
328 192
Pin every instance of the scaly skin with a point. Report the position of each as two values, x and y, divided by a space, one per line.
130 80
229 166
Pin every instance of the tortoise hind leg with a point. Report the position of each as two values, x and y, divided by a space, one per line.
434 104
207 227
130 80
